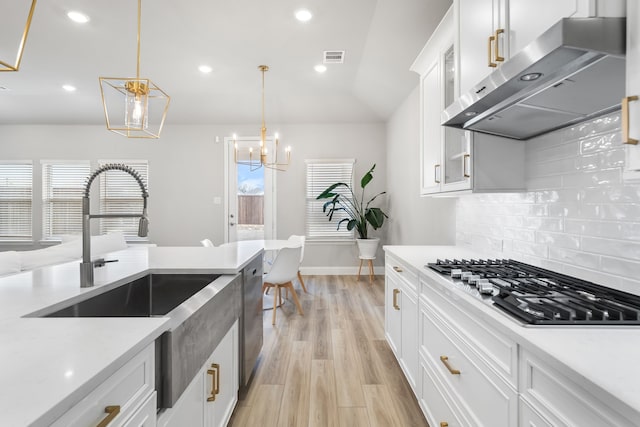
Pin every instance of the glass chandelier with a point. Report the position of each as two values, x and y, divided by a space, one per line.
134 107
246 156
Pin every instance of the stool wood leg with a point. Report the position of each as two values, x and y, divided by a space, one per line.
275 304
371 271
359 269
304 288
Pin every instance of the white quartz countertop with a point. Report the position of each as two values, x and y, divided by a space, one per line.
604 358
48 364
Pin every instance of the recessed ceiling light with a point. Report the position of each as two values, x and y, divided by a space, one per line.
205 69
69 88
320 68
78 17
303 15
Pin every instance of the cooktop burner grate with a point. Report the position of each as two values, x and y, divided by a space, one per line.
542 297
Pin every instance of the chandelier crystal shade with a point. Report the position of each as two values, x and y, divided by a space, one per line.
5 64
134 107
262 157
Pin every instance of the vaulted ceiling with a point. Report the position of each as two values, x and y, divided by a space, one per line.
381 39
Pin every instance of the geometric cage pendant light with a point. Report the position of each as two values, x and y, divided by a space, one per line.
263 157
134 107
5 65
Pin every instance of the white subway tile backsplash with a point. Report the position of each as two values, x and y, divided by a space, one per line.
561 240
578 215
592 178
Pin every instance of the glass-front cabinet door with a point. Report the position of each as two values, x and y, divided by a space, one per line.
456 146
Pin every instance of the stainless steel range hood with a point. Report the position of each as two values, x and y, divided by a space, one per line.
574 71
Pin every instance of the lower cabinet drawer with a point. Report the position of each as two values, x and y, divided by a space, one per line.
485 398
529 417
126 390
435 402
145 416
561 400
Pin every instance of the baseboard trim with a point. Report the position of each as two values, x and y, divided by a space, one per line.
338 271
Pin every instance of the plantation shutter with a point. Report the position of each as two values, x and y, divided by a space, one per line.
120 193
62 191
320 175
16 182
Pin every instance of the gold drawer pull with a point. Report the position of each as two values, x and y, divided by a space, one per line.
395 299
215 381
489 52
445 360
398 269
498 58
466 161
444 424
625 120
112 412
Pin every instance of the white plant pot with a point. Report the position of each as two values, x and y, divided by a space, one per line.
367 248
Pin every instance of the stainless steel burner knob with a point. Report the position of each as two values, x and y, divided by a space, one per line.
485 287
456 273
473 279
465 275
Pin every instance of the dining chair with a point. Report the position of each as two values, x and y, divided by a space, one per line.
207 243
282 273
299 240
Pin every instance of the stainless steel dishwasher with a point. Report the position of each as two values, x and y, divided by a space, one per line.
251 320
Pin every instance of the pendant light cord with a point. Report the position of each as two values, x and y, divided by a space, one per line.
138 57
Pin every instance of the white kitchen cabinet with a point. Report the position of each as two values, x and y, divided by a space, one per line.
401 317
492 31
125 397
551 397
209 400
631 117
451 159
465 370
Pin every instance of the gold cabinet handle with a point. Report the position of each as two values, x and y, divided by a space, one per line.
398 269
395 299
625 120
215 381
112 412
490 52
465 162
444 424
496 46
445 361
436 176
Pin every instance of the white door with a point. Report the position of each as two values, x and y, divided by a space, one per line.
250 192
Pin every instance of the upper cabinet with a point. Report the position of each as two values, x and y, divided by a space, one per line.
631 104
451 159
492 31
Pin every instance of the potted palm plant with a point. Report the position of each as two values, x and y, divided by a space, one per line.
356 214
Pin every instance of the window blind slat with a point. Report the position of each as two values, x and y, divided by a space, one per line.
16 190
62 190
321 175
120 193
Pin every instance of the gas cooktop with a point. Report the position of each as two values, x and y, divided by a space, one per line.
542 297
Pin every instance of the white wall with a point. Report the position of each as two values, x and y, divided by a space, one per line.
578 216
414 220
186 172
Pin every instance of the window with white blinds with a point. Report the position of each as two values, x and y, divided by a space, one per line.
16 190
120 193
320 175
62 190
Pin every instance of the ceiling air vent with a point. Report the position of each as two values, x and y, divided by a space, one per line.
333 57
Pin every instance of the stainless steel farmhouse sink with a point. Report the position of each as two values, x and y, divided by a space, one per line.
150 295
202 308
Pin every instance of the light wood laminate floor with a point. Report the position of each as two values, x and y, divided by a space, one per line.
330 367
